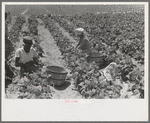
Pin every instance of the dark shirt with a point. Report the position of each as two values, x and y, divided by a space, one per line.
84 45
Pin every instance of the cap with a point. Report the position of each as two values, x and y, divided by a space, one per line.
27 40
79 31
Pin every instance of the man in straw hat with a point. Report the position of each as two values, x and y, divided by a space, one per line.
26 57
83 41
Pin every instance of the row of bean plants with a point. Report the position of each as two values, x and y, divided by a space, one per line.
91 82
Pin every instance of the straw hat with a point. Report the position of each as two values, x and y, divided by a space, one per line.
79 31
27 40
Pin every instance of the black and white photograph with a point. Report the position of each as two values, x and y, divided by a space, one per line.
75 51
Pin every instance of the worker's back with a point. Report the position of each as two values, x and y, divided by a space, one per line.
86 45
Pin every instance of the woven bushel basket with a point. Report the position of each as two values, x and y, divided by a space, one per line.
58 75
95 57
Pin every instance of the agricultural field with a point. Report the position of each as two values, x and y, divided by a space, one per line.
118 37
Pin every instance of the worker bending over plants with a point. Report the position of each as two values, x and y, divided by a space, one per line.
83 44
26 57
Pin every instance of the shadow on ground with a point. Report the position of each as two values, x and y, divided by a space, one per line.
63 87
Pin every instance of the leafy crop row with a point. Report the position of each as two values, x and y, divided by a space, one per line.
117 30
91 82
125 33
16 29
32 20
34 85
12 36
109 51
89 78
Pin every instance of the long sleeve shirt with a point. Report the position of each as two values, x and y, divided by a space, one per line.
84 44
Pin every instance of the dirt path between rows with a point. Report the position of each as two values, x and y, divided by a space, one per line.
53 58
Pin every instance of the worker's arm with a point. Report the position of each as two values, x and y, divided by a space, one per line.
82 44
35 57
78 44
36 61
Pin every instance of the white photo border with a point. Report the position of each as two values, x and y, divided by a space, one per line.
84 110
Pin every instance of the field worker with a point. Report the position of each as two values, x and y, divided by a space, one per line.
26 57
83 44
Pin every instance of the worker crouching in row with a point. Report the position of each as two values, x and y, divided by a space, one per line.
26 57
83 44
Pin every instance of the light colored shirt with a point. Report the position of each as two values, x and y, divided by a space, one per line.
26 57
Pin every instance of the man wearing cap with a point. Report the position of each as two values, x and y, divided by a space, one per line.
83 42
26 57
